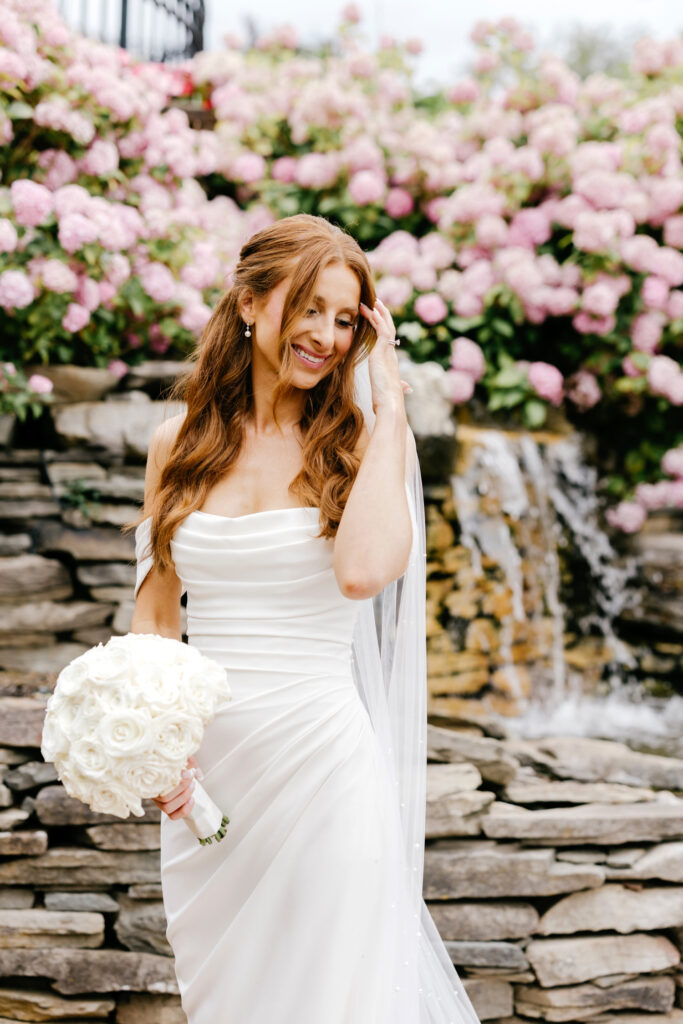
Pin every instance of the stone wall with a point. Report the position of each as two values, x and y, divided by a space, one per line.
553 870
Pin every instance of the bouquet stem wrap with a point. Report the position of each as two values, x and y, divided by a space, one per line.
206 821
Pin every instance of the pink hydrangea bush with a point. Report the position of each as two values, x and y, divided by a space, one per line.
103 224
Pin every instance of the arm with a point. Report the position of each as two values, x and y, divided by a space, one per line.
374 538
157 606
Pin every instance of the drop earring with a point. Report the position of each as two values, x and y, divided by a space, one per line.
247 333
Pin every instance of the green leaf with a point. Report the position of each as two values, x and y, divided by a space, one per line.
503 327
534 413
19 111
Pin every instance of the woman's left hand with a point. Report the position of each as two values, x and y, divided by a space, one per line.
387 386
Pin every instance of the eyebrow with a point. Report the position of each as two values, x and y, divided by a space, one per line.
346 309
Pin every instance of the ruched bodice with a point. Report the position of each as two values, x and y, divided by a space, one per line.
261 590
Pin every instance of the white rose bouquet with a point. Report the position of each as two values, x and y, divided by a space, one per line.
123 719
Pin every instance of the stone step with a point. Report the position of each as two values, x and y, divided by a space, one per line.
37 928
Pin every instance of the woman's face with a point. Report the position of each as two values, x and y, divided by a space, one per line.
324 333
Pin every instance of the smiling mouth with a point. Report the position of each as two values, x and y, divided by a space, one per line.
308 359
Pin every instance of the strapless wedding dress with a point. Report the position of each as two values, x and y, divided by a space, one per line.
293 917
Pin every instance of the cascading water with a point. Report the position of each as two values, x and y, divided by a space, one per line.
528 504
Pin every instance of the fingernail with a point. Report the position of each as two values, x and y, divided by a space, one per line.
409 391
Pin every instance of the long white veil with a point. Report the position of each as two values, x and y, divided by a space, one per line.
390 671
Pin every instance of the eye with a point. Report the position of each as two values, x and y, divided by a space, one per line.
345 323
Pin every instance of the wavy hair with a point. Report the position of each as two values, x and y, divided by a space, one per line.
217 385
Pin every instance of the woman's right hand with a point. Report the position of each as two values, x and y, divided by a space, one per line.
178 802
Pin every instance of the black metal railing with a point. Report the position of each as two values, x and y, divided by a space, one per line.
159 30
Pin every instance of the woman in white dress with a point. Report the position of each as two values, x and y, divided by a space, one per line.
286 502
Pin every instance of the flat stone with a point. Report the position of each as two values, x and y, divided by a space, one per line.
14 543
71 383
12 817
106 574
141 925
101 423
672 1017
93 636
37 1005
100 512
38 928
21 721
54 617
29 474
123 486
460 868
29 576
626 856
456 815
588 823
51 658
61 473
139 1008
54 806
487 954
489 756
664 861
14 898
155 371
485 921
571 961
97 901
538 790
26 639
590 760
125 837
616 908
583 1002
24 489
5 796
491 999
22 509
30 774
74 971
25 844
75 868
8 755
582 855
98 544
145 891
112 595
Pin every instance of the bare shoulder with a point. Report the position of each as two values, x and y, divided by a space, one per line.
160 446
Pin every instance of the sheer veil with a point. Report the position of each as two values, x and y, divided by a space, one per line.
390 671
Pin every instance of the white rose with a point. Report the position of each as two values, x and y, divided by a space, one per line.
73 677
149 777
90 758
111 798
54 740
126 731
161 693
177 735
108 665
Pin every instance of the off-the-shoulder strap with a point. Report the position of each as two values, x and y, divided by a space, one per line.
145 561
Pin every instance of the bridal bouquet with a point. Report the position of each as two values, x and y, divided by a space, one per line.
123 719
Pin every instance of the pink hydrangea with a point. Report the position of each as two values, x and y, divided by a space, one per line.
468 357
583 390
547 381
461 386
16 290
118 269
8 235
399 203
367 187
394 291
672 462
491 231
195 317
158 282
32 202
39 383
248 167
118 368
431 308
284 169
646 331
101 159
76 318
627 516
673 231
75 231
665 378
88 293
58 277
600 299
655 292
317 170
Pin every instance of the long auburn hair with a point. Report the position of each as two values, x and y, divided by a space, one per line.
217 385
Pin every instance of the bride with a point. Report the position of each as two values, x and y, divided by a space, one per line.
286 502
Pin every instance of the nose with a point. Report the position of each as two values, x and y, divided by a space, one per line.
323 335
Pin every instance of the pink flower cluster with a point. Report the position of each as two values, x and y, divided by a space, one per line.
467 367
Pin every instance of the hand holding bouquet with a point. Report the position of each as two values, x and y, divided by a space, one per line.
123 719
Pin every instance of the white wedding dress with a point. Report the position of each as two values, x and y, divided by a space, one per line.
299 915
